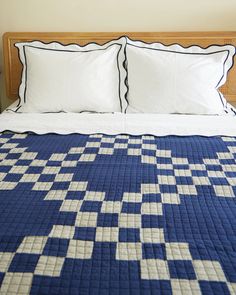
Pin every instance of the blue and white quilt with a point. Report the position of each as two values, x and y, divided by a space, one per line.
97 214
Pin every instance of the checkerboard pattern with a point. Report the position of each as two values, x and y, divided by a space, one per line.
117 214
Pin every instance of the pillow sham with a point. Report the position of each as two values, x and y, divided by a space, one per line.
175 79
72 78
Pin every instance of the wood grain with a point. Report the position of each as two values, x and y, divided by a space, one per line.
13 67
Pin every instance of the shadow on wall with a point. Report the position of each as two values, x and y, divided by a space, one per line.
4 101
1 91
1 81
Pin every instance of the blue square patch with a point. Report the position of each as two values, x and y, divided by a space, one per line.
181 269
75 195
91 206
85 233
56 247
107 219
152 221
154 251
129 235
131 208
24 262
216 288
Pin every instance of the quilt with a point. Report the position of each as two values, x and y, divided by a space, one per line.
99 214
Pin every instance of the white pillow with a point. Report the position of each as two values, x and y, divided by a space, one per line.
174 79
72 78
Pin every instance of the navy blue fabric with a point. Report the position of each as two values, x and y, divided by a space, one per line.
139 188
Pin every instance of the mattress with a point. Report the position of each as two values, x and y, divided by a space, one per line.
117 214
118 123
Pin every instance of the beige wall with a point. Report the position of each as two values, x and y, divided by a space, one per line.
115 15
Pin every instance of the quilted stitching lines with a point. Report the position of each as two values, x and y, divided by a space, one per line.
133 222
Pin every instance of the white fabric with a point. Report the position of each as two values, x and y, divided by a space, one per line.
72 78
133 124
71 81
174 79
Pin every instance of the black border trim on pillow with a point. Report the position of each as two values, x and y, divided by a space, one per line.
77 51
24 67
190 53
125 65
125 62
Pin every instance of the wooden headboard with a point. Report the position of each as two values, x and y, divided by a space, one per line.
13 66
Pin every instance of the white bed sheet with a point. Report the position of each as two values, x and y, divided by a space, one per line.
118 123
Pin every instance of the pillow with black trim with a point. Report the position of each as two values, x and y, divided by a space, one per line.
173 79
72 78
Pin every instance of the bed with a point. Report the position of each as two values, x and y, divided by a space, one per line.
117 203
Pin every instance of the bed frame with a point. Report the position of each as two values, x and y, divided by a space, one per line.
13 66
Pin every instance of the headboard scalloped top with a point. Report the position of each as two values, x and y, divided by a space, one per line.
13 65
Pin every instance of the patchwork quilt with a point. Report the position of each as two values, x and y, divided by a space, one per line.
97 214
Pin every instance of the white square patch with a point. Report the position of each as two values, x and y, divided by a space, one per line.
154 269
5 260
76 150
56 195
18 169
152 208
32 245
107 234
169 198
87 157
148 159
42 186
71 205
28 156
185 287
208 270
57 157
134 152
132 197
4 185
62 232
111 207
78 186
150 188
16 283
224 191
30 178
86 219
166 179
130 220
152 235
187 189
49 266
62 177
51 170
106 151
94 196
178 251
79 249
128 251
